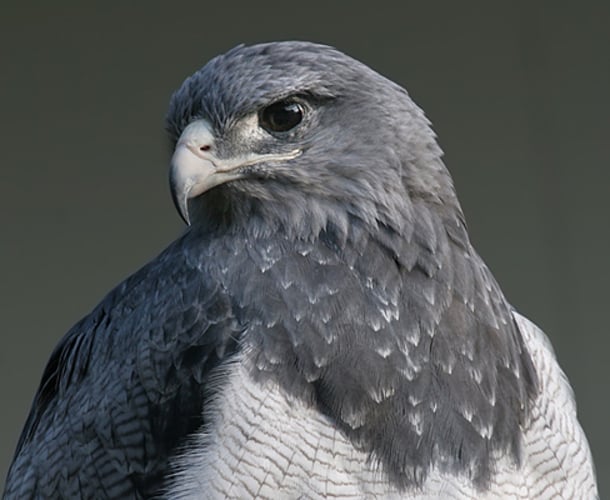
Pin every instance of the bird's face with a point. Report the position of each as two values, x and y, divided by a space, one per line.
259 145
298 132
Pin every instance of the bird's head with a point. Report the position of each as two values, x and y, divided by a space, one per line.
296 135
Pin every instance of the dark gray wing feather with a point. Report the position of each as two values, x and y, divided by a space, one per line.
125 386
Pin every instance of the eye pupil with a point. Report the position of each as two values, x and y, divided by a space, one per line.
281 116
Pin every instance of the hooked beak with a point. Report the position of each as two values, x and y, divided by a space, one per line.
195 168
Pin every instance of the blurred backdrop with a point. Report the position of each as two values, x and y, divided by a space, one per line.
518 93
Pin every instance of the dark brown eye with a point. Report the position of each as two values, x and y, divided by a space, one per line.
281 116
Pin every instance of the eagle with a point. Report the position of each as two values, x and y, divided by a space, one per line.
323 328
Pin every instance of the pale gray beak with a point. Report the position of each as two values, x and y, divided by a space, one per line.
194 166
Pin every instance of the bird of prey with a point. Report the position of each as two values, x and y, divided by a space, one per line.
322 329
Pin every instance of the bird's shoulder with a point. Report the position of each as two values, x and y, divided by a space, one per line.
126 381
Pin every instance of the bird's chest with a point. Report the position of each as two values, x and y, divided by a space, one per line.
261 443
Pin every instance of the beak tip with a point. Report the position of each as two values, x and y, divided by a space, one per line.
180 202
183 210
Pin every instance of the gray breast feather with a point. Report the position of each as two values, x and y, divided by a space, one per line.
260 442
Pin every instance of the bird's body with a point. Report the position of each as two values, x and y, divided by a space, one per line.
323 329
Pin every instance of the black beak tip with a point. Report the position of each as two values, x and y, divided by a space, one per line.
180 200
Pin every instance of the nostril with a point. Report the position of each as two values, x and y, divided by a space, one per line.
206 147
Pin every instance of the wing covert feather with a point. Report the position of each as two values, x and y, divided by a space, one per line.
126 384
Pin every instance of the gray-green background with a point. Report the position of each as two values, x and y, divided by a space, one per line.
519 93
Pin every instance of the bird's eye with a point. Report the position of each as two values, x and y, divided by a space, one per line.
281 116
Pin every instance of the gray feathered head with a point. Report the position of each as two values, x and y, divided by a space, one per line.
303 136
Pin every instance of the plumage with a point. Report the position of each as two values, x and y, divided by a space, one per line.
322 328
